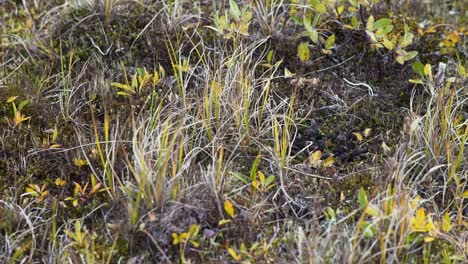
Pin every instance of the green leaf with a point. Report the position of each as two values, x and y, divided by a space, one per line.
407 38
140 71
320 8
313 35
303 51
388 29
22 105
418 68
461 70
296 19
269 56
354 22
381 23
241 177
405 56
355 3
362 198
307 24
269 180
246 17
254 169
234 10
367 230
411 55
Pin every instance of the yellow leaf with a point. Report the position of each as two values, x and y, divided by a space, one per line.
261 176
19 118
175 239
60 182
194 243
303 51
430 226
31 191
370 23
340 9
420 32
400 59
416 81
75 203
234 254
465 194
29 23
255 184
367 132
80 162
328 162
193 230
454 37
372 210
229 208
428 239
223 222
11 99
183 237
358 136
418 222
446 223
330 42
314 159
431 30
428 71
388 44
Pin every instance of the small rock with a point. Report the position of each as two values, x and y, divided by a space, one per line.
313 124
209 233
321 144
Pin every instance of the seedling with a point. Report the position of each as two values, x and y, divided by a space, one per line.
139 80
183 239
18 117
81 193
51 139
234 24
38 191
263 183
80 236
